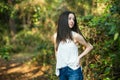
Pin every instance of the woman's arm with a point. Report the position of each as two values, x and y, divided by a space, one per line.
81 40
54 41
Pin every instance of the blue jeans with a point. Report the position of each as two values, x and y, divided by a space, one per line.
67 73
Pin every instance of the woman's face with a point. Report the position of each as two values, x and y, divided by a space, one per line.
71 19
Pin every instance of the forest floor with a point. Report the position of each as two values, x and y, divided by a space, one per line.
20 68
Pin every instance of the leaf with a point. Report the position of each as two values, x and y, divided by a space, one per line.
92 65
107 78
116 36
107 70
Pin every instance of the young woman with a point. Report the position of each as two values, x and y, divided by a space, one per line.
65 41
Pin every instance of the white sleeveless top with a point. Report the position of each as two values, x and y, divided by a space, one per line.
67 55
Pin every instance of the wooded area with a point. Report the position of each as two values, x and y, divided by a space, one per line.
26 27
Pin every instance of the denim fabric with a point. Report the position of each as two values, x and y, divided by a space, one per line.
67 73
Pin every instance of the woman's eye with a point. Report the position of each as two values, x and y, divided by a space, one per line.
69 18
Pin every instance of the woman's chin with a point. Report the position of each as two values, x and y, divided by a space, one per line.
70 26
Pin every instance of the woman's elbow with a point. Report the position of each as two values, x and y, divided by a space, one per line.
90 46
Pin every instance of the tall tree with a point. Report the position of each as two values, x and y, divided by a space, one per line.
11 21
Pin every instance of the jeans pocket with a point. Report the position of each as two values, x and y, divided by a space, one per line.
63 70
75 74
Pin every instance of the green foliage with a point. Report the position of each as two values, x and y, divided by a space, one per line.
5 52
4 12
108 42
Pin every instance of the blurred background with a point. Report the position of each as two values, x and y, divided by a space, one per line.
26 27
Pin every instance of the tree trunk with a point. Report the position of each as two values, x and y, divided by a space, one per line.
12 22
12 27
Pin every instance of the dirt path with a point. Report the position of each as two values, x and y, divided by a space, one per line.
19 68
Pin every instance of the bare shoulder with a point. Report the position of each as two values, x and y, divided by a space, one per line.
76 35
54 37
79 38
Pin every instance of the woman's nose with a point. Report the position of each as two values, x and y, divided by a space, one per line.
72 20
